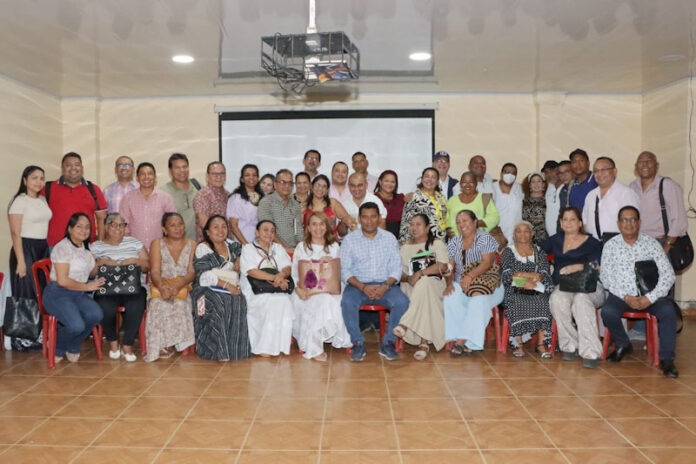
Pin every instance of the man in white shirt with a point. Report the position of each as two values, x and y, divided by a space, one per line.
360 165
508 196
605 201
564 176
359 195
484 182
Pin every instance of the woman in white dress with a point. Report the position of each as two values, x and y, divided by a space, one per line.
269 315
318 317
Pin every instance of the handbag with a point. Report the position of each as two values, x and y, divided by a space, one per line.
647 276
317 276
484 284
421 261
584 281
22 318
681 255
182 295
228 276
260 286
119 280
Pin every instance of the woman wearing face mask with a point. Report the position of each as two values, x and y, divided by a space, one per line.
508 196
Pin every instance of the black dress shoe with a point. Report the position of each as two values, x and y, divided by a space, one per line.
668 369
619 353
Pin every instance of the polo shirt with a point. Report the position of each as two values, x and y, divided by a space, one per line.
651 211
616 197
579 190
183 201
65 201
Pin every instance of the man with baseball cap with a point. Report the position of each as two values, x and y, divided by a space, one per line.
449 186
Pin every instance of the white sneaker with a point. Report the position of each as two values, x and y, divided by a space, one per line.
115 354
129 357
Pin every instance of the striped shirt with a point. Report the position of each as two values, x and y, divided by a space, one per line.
128 248
484 243
114 193
370 260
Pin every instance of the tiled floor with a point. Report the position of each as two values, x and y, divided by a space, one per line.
489 408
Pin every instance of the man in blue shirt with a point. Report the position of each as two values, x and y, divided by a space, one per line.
371 268
584 180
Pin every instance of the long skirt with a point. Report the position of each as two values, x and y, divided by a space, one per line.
168 323
425 317
319 320
270 318
221 332
466 317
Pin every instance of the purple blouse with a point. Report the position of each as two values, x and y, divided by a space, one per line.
245 212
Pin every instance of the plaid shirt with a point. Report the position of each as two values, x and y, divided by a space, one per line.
114 193
370 260
287 218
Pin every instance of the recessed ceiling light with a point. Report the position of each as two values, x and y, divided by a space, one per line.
184 59
669 58
420 56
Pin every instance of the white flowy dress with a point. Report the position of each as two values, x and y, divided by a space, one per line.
269 315
319 319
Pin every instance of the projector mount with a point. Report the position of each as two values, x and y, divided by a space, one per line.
298 61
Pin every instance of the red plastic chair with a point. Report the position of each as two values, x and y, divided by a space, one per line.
141 331
506 335
2 331
50 323
651 335
399 344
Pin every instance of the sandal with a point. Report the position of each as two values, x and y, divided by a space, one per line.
422 352
458 351
166 353
72 357
546 354
399 331
518 352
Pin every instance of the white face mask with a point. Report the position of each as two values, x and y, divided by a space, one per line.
509 178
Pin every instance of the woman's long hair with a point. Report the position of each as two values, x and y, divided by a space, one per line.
378 187
22 182
326 199
329 235
241 189
206 228
437 175
72 222
577 214
431 235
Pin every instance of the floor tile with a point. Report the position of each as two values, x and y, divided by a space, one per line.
656 386
434 435
508 434
605 456
15 428
535 371
345 388
357 371
441 457
34 405
39 454
136 432
139 370
492 408
86 369
398 370
210 434
254 369
670 455
180 456
418 388
557 407
615 407
159 408
358 409
538 387
286 388
576 433
284 436
360 457
522 456
655 432
593 386
122 455
478 388
275 457
61 385
96 406
238 388
177 387
677 406
70 432
358 435
466 370
430 409
225 408
120 386
278 409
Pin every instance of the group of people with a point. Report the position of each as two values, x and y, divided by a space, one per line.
288 256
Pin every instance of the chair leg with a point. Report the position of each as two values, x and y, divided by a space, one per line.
554 336
399 345
382 325
449 345
97 333
505 335
605 344
655 341
44 339
141 335
496 326
52 335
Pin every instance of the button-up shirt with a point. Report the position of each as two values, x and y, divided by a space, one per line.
287 218
210 201
509 206
183 201
342 197
579 190
144 215
615 198
618 273
370 259
354 209
651 213
486 185
114 193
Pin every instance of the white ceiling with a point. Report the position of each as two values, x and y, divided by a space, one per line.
122 48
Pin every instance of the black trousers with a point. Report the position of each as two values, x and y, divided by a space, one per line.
134 306
663 309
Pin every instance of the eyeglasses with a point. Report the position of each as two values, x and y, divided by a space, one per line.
597 171
631 220
124 166
285 182
217 174
120 225
313 158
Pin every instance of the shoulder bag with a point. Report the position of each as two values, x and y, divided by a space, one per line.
584 281
681 255
119 280
260 286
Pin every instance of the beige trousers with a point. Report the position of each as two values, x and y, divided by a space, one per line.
581 307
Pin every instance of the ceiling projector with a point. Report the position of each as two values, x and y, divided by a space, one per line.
298 61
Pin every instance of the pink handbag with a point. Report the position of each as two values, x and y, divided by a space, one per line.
318 276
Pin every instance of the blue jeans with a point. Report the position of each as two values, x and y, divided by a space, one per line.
353 299
77 315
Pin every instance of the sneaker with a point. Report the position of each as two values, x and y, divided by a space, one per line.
590 363
359 352
388 352
569 356
115 354
129 357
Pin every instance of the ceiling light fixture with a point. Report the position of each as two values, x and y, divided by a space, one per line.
420 56
671 58
182 59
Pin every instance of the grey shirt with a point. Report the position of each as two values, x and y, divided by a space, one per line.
287 218
184 205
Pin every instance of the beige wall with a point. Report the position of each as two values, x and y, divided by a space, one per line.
30 133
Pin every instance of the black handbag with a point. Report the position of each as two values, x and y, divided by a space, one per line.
22 318
681 254
584 281
119 280
647 276
259 286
